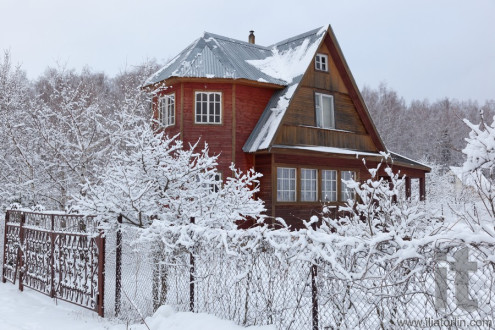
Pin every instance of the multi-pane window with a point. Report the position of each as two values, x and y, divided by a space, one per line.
346 192
286 184
208 107
166 110
329 185
309 189
321 62
324 111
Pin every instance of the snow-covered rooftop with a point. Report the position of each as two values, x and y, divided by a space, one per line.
215 56
289 60
284 63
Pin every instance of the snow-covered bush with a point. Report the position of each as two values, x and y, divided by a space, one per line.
157 182
480 167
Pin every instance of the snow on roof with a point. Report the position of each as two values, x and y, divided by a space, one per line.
407 160
331 150
284 63
216 56
289 60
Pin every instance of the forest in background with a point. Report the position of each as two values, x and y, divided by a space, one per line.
432 132
56 131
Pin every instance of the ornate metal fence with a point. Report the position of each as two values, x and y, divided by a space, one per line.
60 255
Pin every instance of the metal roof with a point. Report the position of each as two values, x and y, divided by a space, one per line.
214 56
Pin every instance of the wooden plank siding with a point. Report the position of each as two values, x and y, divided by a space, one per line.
294 213
242 106
298 135
249 104
263 164
299 123
243 103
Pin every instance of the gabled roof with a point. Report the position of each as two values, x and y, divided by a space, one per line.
306 45
282 64
289 61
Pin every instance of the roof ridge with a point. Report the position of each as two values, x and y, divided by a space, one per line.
300 36
244 43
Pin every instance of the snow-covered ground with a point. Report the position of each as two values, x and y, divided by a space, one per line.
30 310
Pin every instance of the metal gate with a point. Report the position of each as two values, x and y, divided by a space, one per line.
60 255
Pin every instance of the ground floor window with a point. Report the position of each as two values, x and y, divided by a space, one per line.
309 186
346 192
286 184
329 185
313 185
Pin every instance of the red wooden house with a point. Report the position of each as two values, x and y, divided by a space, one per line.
291 110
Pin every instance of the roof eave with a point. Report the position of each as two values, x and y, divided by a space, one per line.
243 81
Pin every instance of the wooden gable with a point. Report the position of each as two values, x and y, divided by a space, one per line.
353 126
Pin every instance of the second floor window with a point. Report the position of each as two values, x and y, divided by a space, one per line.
324 111
208 108
166 110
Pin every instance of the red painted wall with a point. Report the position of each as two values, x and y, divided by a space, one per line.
249 105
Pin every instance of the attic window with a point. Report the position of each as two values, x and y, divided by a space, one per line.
324 111
166 110
208 108
321 62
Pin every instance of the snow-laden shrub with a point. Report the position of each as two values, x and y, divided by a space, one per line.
479 167
158 182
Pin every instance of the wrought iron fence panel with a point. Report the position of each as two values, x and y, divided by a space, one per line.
58 255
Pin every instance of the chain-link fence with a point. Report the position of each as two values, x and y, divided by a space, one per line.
448 285
437 288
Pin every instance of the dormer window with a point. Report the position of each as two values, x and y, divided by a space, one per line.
208 108
321 62
324 111
166 110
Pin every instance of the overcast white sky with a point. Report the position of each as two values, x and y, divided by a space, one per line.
421 48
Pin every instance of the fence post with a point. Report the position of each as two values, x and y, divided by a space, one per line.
101 274
52 257
314 296
118 267
20 254
7 215
191 277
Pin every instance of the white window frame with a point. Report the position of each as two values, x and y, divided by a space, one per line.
286 184
309 185
323 121
329 185
166 110
209 116
321 62
346 192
